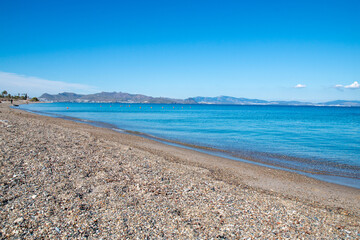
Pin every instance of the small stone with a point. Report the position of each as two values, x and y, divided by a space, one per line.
57 229
33 196
19 220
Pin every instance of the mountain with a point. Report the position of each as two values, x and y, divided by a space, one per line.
61 97
139 98
342 103
228 100
245 101
111 97
291 103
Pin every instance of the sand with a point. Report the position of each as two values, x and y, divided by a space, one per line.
62 179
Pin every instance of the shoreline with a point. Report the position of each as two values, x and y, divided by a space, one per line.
328 177
185 172
223 161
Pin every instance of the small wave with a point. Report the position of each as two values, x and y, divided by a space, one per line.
118 130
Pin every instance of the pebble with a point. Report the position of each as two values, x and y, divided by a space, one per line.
87 187
19 220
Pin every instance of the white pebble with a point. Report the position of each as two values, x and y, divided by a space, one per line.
19 220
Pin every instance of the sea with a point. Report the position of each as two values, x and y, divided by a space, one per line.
319 142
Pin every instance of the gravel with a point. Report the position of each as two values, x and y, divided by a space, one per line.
65 183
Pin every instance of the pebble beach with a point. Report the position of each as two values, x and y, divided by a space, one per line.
65 180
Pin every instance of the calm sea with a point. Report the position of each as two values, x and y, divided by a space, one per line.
321 142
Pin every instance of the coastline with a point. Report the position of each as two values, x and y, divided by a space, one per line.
263 159
333 203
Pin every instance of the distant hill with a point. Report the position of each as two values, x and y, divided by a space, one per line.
343 103
139 98
111 97
228 100
244 101
61 97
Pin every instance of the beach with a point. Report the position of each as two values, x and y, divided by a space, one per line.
63 179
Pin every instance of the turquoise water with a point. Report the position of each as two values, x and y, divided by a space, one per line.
323 142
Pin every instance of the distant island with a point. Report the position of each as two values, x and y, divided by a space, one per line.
139 98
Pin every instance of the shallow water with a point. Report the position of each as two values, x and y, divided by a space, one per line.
317 140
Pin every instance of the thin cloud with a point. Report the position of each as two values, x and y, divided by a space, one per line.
354 85
16 83
339 87
300 86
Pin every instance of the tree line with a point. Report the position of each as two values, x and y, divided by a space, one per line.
7 96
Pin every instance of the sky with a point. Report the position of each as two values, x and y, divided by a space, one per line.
271 50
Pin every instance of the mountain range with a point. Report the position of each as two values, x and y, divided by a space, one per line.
111 97
139 98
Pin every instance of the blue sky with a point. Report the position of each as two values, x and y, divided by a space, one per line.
252 49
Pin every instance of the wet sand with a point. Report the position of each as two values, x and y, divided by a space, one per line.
62 179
